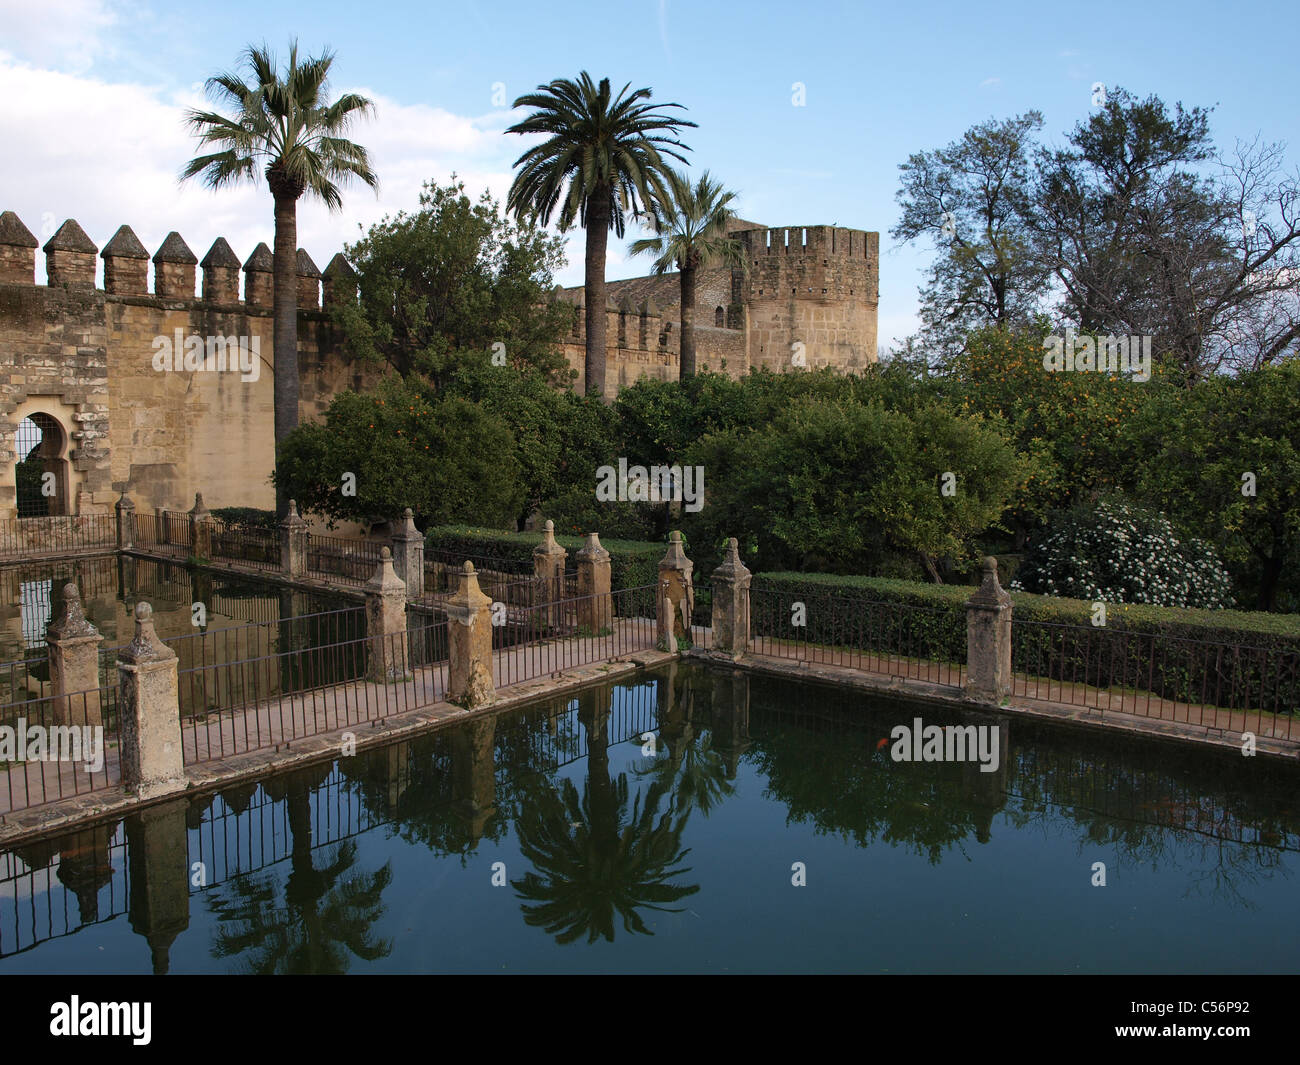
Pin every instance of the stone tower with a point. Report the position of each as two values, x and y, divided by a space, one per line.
818 286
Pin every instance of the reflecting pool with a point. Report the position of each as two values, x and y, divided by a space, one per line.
697 820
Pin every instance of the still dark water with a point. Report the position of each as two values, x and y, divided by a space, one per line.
545 840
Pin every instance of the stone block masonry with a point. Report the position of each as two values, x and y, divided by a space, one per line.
817 286
84 357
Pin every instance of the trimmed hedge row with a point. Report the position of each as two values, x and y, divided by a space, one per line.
633 563
1236 658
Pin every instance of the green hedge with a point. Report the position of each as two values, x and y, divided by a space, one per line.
1157 649
633 563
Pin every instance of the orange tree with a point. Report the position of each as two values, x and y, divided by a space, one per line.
1069 424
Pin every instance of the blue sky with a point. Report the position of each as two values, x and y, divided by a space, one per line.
881 82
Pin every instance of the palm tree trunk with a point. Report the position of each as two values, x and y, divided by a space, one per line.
687 363
594 290
285 303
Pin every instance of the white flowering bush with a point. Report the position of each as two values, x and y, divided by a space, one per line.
1115 552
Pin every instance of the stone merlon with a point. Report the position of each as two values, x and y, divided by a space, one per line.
175 250
14 233
261 261
124 245
71 237
220 255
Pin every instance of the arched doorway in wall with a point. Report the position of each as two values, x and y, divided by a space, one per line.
41 470
720 318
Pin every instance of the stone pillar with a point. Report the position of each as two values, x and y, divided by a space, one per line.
17 251
293 543
731 581
548 568
469 630
152 759
386 622
126 264
125 522
73 644
595 611
676 595
159 865
988 639
200 529
408 555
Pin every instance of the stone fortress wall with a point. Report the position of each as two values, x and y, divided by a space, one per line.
818 286
77 355
82 357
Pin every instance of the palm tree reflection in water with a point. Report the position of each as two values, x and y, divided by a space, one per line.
319 919
603 854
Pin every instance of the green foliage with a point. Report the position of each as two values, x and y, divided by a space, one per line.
1167 650
1197 445
844 482
560 438
1115 552
441 286
632 564
247 518
1068 425
972 198
604 154
444 457
283 125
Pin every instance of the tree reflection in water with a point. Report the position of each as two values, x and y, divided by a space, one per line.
320 918
603 854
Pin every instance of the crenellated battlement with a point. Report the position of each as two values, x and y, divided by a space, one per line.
70 263
827 241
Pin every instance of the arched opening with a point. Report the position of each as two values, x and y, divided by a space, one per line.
719 317
41 472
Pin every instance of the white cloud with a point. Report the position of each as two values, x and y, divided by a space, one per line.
109 153
990 81
64 34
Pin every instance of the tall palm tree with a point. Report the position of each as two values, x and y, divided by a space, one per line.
691 227
285 123
603 159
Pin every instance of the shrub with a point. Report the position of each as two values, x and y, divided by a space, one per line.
1116 552
1195 655
633 564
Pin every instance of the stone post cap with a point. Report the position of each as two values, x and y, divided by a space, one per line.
406 529
731 568
124 502
71 623
145 648
990 593
292 519
385 581
548 546
591 551
200 509
468 599
676 557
